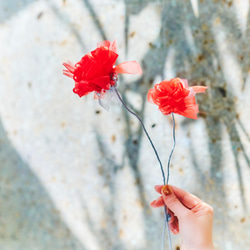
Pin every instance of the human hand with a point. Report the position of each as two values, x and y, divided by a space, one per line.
190 216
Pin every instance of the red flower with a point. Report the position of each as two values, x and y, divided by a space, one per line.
96 70
175 96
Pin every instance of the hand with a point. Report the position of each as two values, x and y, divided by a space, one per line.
190 216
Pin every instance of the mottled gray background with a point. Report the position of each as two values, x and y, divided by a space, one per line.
73 176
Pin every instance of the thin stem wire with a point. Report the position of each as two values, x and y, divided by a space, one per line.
142 124
165 208
158 158
171 153
167 218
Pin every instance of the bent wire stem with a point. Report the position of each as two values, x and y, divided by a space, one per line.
171 153
142 124
167 219
167 216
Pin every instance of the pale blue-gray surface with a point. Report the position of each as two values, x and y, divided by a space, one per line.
74 176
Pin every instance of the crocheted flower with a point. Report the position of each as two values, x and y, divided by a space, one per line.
175 96
96 70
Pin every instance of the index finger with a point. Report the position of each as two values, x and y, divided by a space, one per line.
187 199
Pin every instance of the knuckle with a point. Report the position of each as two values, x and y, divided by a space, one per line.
211 210
208 209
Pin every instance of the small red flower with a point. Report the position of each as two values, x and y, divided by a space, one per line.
175 96
96 70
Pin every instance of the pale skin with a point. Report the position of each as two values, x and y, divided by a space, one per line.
191 217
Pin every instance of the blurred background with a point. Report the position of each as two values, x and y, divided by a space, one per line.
74 176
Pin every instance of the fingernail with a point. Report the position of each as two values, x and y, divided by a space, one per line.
166 190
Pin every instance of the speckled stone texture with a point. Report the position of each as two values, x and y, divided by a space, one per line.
73 176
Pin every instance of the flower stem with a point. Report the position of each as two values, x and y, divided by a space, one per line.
142 124
167 215
171 153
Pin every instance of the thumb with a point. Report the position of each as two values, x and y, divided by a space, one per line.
172 202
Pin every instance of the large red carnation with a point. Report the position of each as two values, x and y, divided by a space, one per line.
96 70
175 96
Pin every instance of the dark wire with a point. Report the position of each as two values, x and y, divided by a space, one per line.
130 111
170 156
167 216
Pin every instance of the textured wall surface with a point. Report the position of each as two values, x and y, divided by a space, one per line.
73 176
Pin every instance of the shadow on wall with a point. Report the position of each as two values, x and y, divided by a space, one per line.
28 218
26 206
193 42
9 8
192 39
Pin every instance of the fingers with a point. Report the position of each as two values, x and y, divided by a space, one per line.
171 216
196 205
169 199
188 200
202 209
158 188
174 225
158 202
172 202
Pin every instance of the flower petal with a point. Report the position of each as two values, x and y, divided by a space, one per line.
184 82
191 108
190 112
104 56
109 45
113 46
175 96
103 82
128 68
83 88
67 73
151 94
96 71
69 66
199 89
105 43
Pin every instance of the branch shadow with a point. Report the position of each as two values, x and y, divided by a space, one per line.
132 146
107 233
64 20
198 59
95 18
10 8
29 219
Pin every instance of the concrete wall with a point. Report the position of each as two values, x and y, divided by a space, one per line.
73 176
